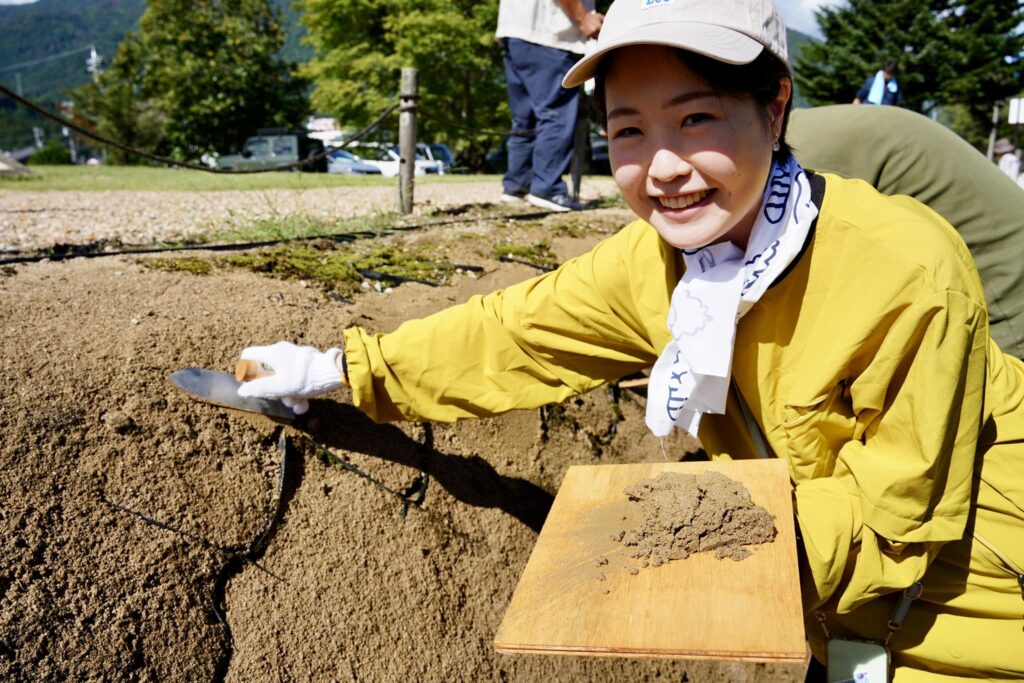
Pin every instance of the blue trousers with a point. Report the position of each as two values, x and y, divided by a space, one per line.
539 102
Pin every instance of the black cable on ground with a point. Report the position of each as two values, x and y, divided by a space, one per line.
523 262
67 252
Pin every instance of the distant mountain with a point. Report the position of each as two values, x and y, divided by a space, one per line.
796 42
51 27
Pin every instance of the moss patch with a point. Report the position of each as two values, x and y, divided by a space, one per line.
196 266
537 254
340 270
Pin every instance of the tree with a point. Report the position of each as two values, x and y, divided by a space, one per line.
950 52
114 104
205 71
362 45
986 44
862 35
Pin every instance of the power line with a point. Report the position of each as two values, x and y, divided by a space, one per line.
43 60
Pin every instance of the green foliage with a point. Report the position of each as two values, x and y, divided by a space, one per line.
796 42
198 77
301 226
52 153
340 270
982 34
950 52
114 105
362 45
33 32
860 36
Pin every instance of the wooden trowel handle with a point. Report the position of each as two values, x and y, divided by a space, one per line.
248 370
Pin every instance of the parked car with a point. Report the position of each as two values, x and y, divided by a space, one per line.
440 154
276 147
387 159
496 160
343 161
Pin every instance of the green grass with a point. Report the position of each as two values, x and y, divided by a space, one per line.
302 226
152 179
338 269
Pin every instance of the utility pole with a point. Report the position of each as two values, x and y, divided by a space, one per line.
17 84
68 107
93 62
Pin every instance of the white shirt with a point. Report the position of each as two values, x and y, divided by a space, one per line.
1009 164
542 22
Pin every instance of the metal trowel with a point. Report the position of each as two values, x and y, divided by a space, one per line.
221 388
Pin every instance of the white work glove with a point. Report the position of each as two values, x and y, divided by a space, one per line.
300 373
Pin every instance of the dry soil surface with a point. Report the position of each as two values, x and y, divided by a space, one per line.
392 558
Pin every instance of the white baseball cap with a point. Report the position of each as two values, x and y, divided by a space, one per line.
731 31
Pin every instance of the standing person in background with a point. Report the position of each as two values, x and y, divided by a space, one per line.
901 152
1009 158
882 88
542 40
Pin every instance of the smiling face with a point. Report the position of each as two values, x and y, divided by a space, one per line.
690 161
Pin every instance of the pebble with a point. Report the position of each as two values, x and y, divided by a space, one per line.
31 220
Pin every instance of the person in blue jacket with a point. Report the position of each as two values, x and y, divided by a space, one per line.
882 88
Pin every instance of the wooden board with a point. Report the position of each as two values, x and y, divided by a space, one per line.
697 608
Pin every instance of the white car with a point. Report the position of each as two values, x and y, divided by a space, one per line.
342 161
387 159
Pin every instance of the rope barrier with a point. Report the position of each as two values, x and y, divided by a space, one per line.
402 107
184 164
470 129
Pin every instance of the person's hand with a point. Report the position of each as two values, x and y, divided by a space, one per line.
590 24
300 373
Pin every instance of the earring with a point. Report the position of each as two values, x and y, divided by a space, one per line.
775 146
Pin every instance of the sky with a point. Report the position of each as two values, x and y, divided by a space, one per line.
799 14
796 14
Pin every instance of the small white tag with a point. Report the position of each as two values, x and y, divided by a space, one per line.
648 4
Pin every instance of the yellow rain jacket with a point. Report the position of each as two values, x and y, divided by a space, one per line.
868 366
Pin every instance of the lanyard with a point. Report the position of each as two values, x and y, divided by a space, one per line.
755 431
896 619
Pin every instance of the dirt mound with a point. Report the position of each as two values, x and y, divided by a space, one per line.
397 548
686 513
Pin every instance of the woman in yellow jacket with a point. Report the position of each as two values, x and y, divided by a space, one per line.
784 312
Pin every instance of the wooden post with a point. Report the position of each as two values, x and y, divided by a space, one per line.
407 99
580 162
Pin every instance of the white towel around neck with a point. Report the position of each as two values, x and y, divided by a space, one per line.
721 283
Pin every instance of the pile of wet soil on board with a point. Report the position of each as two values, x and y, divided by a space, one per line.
694 513
394 558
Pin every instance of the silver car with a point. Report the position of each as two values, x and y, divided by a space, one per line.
341 161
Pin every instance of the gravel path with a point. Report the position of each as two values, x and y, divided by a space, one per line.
35 220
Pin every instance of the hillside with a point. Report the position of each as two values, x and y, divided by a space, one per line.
51 27
796 42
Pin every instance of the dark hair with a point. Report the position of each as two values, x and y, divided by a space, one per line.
758 80
891 66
